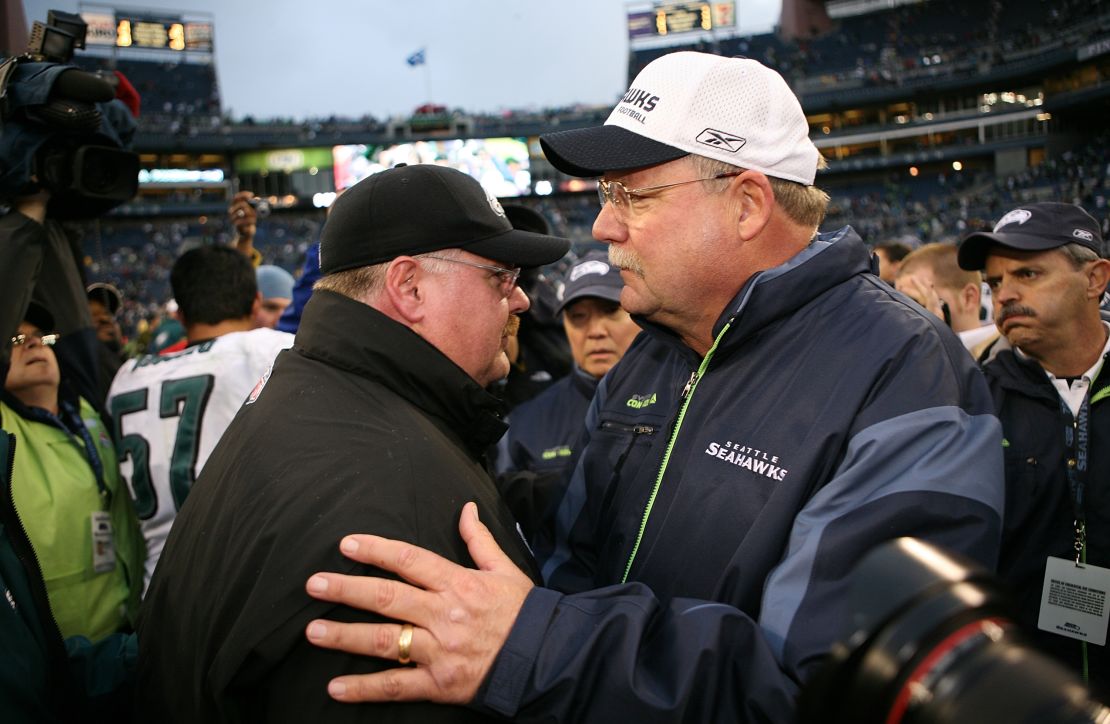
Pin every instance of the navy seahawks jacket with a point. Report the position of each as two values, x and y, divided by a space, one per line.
731 495
1042 436
543 431
543 439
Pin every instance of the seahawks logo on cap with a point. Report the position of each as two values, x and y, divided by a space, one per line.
494 203
719 139
1017 216
1083 234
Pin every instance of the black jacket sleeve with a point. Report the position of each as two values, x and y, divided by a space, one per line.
22 243
40 262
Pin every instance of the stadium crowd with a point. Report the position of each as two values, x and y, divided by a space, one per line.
135 255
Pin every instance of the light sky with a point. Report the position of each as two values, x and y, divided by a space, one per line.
286 58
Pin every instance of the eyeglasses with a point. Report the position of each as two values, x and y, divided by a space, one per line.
44 339
506 278
616 193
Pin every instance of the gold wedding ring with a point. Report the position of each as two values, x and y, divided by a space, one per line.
404 643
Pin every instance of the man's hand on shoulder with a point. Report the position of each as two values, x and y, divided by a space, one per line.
460 616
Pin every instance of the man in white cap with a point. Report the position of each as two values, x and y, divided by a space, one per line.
783 413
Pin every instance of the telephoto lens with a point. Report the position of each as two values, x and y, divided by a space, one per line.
933 642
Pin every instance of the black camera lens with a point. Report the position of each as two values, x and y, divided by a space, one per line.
934 643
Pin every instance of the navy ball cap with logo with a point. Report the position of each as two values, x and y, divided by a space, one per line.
1033 227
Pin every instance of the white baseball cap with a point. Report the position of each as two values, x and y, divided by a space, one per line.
735 110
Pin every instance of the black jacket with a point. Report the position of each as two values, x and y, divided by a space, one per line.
1039 510
362 427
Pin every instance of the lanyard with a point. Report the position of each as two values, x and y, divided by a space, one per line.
1077 438
69 419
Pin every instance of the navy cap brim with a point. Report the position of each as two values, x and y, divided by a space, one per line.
520 248
972 254
598 291
590 152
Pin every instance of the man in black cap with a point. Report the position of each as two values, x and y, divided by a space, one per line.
543 430
377 418
539 352
1045 265
104 303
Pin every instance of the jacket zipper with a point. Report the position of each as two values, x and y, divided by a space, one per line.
637 429
687 395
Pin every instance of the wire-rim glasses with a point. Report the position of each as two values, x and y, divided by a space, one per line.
621 197
506 278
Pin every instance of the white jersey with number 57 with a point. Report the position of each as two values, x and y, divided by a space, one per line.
170 412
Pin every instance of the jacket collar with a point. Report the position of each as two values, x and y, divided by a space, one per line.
355 337
1019 372
583 381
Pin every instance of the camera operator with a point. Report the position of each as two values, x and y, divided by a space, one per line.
70 559
43 678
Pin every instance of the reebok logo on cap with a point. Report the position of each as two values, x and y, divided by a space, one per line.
721 140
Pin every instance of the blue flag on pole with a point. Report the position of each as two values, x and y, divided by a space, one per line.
416 58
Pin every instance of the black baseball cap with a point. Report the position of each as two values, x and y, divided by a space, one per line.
1033 227
39 317
526 219
591 276
106 294
422 208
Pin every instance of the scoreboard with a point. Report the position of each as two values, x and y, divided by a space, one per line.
129 30
677 18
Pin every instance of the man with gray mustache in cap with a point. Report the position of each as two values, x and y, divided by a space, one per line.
1045 265
377 419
